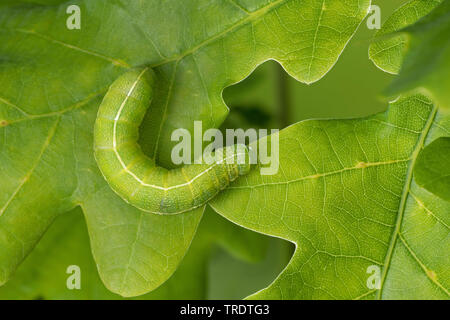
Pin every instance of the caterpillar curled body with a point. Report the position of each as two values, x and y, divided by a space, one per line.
135 177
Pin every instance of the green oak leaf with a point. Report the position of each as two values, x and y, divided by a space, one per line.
52 82
346 197
43 275
387 50
418 49
427 62
432 170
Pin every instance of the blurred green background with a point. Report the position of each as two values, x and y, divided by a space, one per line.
224 261
352 88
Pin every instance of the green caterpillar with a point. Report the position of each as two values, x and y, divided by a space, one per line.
134 176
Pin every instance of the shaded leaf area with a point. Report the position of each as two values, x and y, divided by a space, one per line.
43 274
419 50
432 170
346 197
52 82
328 98
31 2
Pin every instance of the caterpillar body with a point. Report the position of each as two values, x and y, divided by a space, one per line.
135 177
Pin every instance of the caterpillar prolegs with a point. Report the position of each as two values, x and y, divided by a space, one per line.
135 177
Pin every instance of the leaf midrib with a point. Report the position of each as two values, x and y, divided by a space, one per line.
404 198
